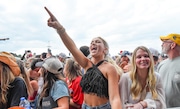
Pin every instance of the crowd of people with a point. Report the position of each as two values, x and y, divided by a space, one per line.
91 78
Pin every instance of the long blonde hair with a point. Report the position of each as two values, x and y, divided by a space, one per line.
136 87
7 77
118 69
105 45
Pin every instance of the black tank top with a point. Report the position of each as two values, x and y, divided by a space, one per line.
94 82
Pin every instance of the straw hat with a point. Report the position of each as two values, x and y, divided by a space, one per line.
10 60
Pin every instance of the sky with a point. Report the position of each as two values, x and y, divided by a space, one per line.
124 24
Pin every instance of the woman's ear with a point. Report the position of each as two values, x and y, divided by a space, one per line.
105 51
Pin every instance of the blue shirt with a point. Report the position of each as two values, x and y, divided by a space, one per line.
59 90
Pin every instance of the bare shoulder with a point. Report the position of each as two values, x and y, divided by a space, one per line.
108 69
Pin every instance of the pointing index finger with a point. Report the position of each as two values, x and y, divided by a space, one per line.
50 14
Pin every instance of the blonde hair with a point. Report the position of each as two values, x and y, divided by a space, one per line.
118 69
7 77
73 69
105 44
136 87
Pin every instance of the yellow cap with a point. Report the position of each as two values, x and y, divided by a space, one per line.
174 37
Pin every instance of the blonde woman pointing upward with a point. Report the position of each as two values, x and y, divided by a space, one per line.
100 81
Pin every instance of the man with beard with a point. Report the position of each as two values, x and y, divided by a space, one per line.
169 69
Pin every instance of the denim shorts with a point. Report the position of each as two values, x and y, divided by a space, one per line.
103 106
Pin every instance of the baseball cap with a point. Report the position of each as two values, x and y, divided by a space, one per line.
174 37
36 62
154 52
53 65
62 55
39 64
125 53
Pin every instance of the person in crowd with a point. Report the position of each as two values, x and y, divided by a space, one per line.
115 57
85 50
162 57
29 84
169 69
123 62
62 57
142 87
73 74
35 65
13 87
55 90
24 75
155 54
36 79
27 58
127 68
28 62
49 53
27 54
43 55
100 81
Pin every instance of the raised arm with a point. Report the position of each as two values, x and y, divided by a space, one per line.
68 42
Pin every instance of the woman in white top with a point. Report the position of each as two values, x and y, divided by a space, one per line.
142 87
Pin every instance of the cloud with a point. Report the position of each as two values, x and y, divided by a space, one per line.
125 24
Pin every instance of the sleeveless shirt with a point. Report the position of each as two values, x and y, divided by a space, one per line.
94 82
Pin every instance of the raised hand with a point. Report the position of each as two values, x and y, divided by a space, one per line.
52 21
53 18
